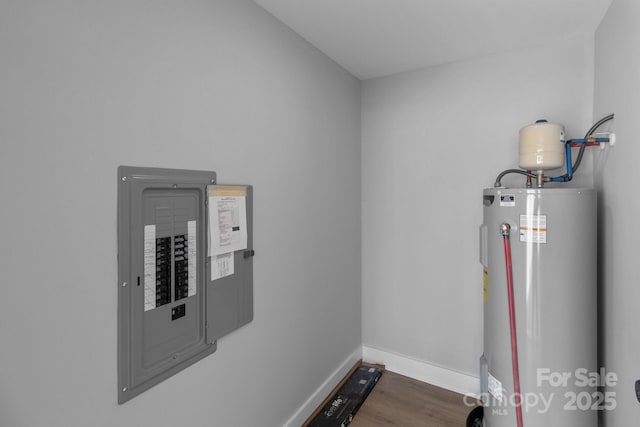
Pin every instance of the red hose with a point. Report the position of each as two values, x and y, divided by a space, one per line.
512 326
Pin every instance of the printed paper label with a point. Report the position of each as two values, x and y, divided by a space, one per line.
222 266
149 267
485 280
192 257
227 224
533 228
507 200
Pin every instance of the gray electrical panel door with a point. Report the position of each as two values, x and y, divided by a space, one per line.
230 298
162 238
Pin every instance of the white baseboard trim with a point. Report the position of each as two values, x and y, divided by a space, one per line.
417 369
318 396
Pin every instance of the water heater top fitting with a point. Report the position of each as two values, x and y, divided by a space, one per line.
542 146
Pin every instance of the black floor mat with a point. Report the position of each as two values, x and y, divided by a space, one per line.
339 411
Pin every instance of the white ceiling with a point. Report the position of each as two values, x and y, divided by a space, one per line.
373 38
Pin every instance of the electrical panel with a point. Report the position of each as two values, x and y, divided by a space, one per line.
177 296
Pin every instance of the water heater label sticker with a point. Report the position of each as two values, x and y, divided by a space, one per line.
533 228
149 267
508 200
495 387
485 280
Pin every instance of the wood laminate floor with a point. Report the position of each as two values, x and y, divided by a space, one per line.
401 401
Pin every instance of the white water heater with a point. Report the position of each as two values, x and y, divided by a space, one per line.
551 242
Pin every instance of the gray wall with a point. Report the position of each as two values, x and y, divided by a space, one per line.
219 85
617 90
432 140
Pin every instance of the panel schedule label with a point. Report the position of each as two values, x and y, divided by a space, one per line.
149 267
192 257
533 228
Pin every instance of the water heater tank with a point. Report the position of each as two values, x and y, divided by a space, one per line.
542 146
553 254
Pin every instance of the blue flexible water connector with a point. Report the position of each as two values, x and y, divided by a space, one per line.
569 161
569 175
